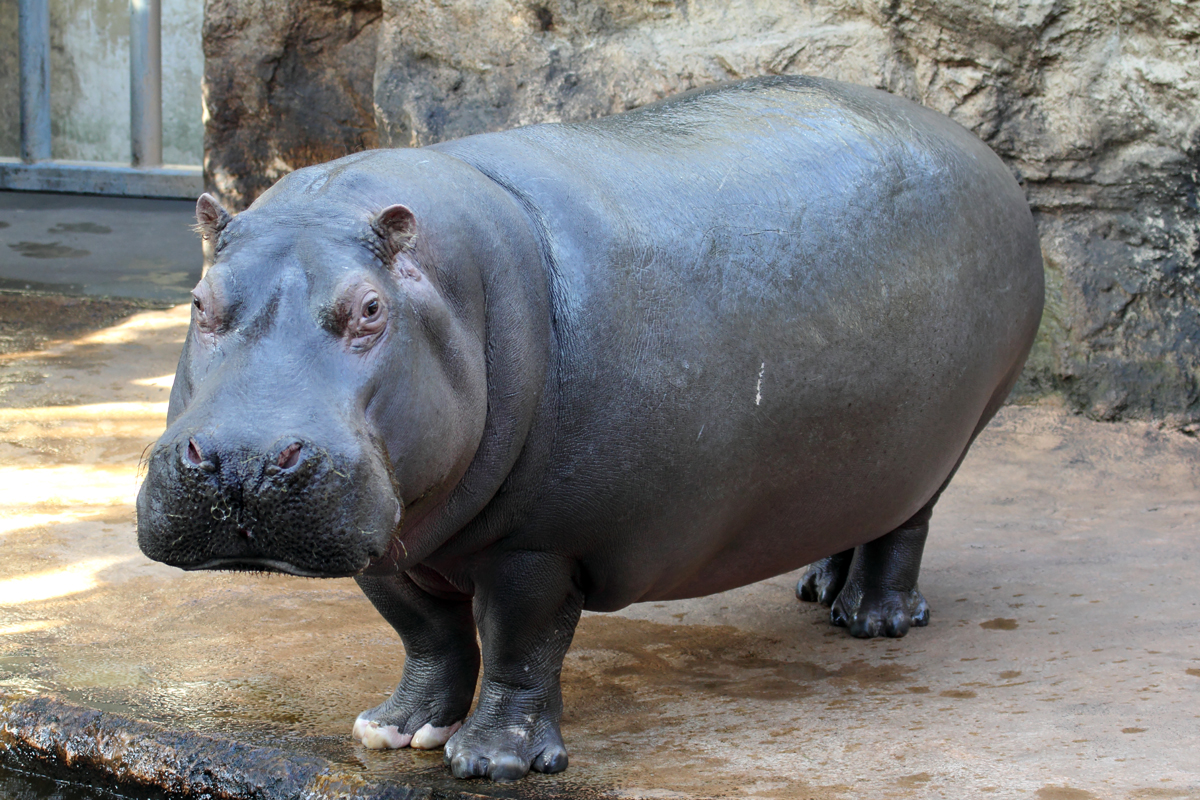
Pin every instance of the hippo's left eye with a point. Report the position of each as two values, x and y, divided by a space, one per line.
371 308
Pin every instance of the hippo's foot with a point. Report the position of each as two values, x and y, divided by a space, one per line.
878 613
825 578
511 732
440 667
876 583
408 720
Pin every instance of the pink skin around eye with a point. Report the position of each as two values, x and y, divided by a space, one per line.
369 317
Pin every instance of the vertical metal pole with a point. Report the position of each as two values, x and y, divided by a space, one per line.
33 28
145 81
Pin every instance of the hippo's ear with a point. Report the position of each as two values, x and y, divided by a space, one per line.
211 217
396 227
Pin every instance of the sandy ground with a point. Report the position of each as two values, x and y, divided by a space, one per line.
1062 661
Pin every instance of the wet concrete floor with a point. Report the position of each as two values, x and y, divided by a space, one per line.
98 246
1062 661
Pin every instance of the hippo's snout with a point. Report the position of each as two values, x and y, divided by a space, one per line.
293 506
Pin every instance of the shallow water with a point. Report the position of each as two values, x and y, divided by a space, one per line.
20 785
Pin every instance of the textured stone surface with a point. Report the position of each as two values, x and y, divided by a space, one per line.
287 83
1095 106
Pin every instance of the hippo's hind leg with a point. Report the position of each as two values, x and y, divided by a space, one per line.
872 588
441 664
824 579
880 595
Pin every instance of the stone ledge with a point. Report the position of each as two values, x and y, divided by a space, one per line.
47 736
94 177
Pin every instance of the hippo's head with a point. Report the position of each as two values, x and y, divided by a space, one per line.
331 380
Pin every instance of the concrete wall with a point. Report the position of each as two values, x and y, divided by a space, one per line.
89 78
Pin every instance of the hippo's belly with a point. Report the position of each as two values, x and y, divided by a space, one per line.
774 350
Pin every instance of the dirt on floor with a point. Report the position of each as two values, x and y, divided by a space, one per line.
1062 661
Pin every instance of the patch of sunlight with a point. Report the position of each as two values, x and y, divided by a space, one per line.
20 522
149 430
67 485
140 324
137 326
105 411
162 381
33 626
82 576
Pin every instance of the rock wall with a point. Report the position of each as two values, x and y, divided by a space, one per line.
1094 105
287 83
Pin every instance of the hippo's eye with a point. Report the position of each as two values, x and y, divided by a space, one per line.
201 310
369 320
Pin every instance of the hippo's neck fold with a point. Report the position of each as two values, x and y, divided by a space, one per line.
511 260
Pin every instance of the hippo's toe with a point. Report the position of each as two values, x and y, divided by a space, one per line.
375 736
404 721
886 613
504 740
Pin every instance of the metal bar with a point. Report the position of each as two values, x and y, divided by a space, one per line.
145 81
92 177
33 28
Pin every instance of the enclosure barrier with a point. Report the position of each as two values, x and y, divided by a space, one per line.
145 175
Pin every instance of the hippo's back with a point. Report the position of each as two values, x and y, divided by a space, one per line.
782 309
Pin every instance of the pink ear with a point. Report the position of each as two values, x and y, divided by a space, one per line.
396 228
211 217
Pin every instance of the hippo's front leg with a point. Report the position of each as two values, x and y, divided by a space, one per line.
441 663
526 608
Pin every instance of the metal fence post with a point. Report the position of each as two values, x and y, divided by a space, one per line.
145 81
33 28
145 176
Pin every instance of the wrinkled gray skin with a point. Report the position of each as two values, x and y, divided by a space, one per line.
655 356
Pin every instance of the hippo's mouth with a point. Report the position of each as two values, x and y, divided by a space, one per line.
326 517
265 565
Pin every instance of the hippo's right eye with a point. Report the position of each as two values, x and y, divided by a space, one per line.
202 310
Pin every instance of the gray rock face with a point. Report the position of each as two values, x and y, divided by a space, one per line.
1095 107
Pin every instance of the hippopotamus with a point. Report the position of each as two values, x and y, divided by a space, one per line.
657 355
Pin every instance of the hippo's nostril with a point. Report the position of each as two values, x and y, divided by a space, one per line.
290 456
194 456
